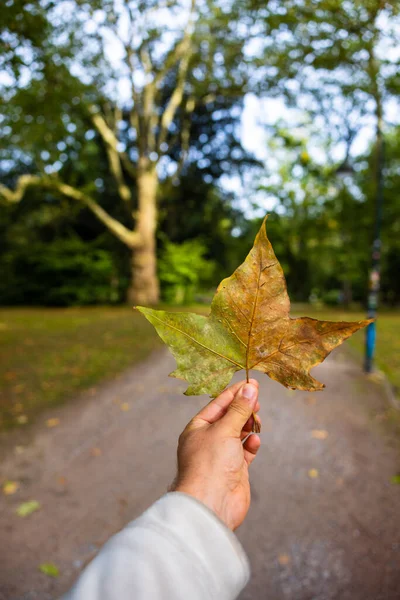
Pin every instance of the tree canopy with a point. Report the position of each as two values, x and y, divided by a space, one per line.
123 118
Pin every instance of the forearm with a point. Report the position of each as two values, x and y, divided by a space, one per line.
177 549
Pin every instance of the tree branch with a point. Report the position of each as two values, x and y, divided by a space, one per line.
129 238
173 56
135 120
185 133
113 155
23 182
174 101
184 54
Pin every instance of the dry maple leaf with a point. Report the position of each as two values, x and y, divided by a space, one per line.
249 328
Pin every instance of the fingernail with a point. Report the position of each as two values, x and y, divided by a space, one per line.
249 391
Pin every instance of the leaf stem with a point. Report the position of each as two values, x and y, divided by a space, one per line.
256 424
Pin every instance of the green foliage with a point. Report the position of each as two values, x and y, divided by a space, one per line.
183 269
325 58
332 297
65 272
324 225
188 77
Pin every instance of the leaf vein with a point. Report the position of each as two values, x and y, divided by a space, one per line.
197 342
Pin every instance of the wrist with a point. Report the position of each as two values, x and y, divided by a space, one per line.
211 501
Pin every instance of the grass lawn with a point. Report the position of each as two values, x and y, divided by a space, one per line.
48 355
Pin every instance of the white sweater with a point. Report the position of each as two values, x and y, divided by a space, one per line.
177 550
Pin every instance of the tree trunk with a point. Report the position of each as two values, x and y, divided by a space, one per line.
347 293
144 288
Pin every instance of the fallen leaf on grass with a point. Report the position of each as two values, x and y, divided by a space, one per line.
249 327
319 434
17 389
125 406
395 479
284 559
376 377
96 452
10 375
27 508
46 385
10 487
18 407
313 473
54 422
75 370
49 569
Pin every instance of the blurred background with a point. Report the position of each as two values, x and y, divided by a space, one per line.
143 142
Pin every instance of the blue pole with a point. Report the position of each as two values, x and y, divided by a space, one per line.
375 273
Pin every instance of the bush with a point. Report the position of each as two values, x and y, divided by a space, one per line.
183 270
63 273
332 298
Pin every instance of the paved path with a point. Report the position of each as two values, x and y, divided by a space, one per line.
335 536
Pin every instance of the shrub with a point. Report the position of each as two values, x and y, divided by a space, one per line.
183 270
64 272
332 298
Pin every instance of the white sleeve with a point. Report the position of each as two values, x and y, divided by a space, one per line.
177 550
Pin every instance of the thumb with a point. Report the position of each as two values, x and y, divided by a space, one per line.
240 409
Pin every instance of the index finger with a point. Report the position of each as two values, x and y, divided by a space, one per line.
219 405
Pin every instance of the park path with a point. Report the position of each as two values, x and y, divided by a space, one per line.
332 536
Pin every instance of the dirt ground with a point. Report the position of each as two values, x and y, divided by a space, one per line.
324 522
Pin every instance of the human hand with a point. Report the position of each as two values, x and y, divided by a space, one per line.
212 461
